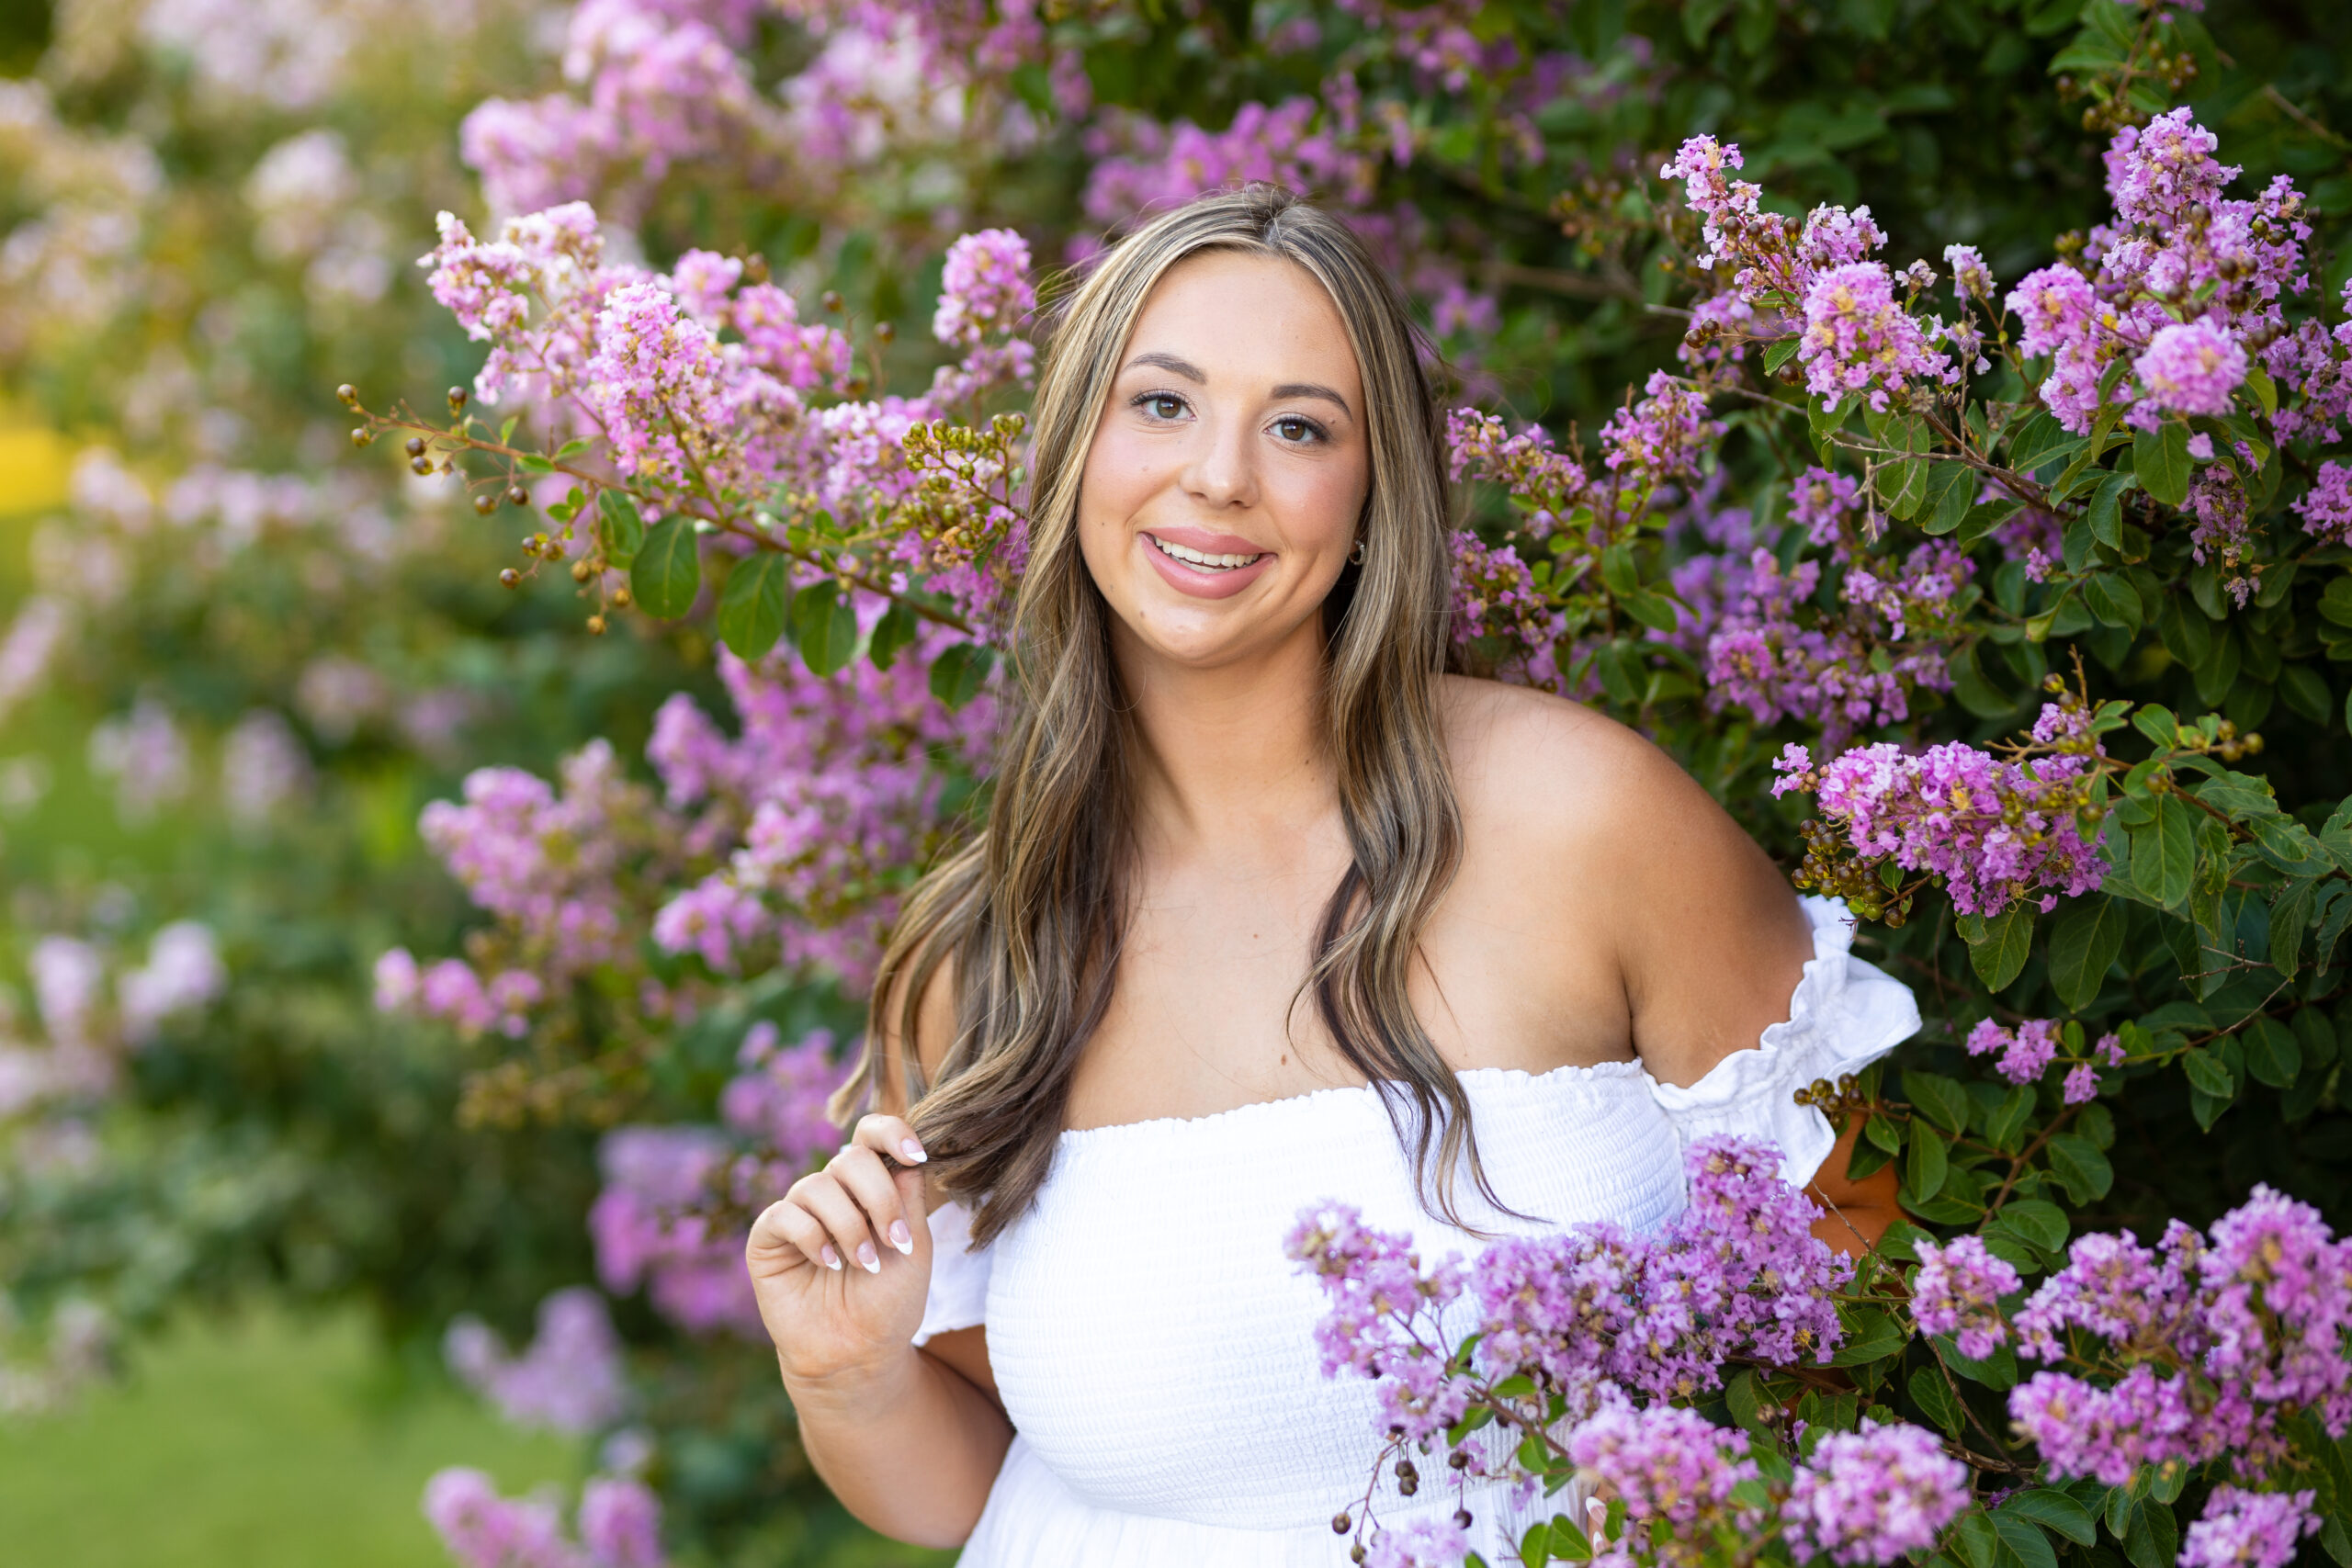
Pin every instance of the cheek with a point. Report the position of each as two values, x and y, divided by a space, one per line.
1321 502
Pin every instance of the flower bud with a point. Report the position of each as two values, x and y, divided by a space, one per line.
580 571
517 496
363 437
414 447
832 301
421 465
595 626
1341 1524
485 505
884 332
347 395
1356 1552
620 599
510 577
457 400
1462 1517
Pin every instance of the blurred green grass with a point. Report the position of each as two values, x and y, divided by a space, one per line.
264 1442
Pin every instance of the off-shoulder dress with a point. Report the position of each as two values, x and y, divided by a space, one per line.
1153 1347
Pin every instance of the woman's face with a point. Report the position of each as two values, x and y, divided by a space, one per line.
1230 466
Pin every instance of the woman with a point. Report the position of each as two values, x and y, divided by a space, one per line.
1267 909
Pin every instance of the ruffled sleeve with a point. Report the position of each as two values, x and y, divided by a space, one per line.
1846 1014
959 1276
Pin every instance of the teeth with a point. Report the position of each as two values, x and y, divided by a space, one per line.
1200 558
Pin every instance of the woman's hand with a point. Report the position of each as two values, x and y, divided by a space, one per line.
841 1263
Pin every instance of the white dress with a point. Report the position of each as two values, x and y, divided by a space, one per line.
1154 1346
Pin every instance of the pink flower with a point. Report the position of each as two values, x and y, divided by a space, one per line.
1874 1495
1858 339
2249 1529
2326 507
2192 369
1958 1292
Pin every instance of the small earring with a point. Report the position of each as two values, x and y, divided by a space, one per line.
1355 556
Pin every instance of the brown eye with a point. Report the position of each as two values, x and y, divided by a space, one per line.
1296 431
1161 405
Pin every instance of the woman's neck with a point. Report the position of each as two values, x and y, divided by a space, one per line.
1233 756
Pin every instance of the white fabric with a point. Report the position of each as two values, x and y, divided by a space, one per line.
1155 1348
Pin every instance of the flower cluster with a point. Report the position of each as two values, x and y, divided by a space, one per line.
1879 1493
1766 652
2210 1343
1992 832
618 1522
1737 1274
1958 1290
569 1379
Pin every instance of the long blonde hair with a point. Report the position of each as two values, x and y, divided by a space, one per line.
1030 913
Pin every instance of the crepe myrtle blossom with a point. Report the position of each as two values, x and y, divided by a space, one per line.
569 1379
1670 1465
2190 369
2326 507
1586 1311
618 1522
1422 1543
2249 1529
1958 1290
2259 1309
1858 339
1874 1495
1992 832
2025 1052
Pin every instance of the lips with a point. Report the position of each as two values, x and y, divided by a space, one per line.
1203 565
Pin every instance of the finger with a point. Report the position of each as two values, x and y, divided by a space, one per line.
1596 1518
824 1197
862 1173
892 1136
786 1227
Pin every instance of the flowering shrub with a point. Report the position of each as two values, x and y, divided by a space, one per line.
734 414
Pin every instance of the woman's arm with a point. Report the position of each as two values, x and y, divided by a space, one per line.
1855 1214
908 1439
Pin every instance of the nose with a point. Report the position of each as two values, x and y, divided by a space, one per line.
1221 473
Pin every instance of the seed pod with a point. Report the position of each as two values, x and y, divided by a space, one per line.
347 395
510 577
595 626
884 332
363 437
1409 1479
517 496
414 447
1355 1552
1341 1524
421 465
620 599
1462 1517
458 400
485 505
832 301
1459 1458
580 571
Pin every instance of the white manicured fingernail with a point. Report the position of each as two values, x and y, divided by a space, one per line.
901 1237
911 1151
868 1259
832 1259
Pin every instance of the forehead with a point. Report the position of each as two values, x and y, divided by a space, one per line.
1246 319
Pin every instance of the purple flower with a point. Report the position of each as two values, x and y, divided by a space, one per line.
1667 1463
1872 1495
620 1524
1958 1290
1858 339
2249 1529
1423 1543
984 291
569 1379
2192 369
2326 507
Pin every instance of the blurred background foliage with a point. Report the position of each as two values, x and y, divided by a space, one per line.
179 294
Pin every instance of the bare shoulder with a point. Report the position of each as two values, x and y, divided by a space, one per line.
1552 775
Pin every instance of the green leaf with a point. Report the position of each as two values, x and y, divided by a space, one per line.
2115 602
1872 1336
2291 917
573 448
1978 1543
620 528
1951 488
2042 1224
956 674
2080 1167
2273 1054
894 631
2105 514
1745 1406
1937 1098
2055 1510
667 572
2086 940
1779 353
2024 1539
2006 1125
2001 954
2153 1539
824 627
1925 1162
2163 854
2160 459
2208 1074
751 606
1935 1397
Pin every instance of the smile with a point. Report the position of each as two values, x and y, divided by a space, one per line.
1200 560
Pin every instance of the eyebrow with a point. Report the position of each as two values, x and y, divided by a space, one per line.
1192 372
